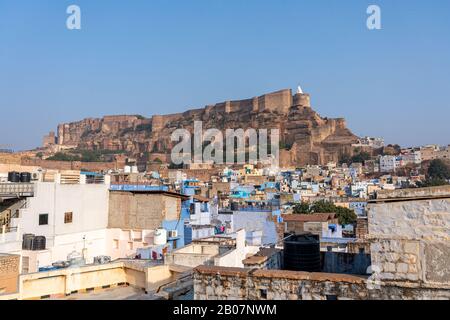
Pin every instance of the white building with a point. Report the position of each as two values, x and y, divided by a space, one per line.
412 157
200 218
73 218
359 189
389 163
371 142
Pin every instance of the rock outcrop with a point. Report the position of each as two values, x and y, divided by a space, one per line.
306 137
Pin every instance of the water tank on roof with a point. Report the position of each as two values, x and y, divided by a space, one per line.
302 252
25 177
13 176
39 243
102 259
160 236
27 241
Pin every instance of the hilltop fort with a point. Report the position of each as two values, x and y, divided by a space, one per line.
306 137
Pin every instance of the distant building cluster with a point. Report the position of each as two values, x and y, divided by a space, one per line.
336 231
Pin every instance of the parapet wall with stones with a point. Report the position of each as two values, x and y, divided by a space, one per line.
221 283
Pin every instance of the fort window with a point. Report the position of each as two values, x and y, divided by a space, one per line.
68 217
43 219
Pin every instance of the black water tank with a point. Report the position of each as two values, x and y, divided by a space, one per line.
13 176
25 177
302 252
39 243
27 241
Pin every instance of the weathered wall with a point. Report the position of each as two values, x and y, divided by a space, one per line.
215 283
139 211
410 241
9 273
343 262
218 283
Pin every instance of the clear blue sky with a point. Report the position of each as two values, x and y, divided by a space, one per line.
159 56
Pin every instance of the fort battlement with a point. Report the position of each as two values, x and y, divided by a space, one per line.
311 138
279 101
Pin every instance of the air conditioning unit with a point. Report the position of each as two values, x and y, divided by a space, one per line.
173 233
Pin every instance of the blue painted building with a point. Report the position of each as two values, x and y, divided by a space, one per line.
190 187
242 192
181 235
359 207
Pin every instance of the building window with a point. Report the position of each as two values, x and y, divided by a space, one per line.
130 245
331 297
68 217
43 219
116 244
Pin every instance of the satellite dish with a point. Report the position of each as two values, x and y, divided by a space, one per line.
299 90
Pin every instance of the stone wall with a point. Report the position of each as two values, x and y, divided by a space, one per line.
409 231
9 273
219 283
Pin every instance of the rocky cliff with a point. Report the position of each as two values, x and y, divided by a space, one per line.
307 138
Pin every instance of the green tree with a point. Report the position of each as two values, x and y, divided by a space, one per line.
361 157
438 169
302 208
344 215
435 182
60 156
323 206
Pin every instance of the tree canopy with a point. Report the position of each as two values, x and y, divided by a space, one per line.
438 169
438 174
345 215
